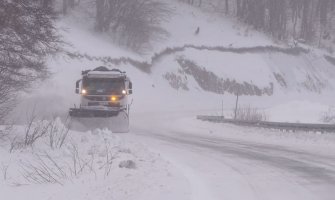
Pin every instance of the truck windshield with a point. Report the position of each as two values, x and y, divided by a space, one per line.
103 86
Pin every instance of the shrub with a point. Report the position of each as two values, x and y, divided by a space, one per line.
328 116
36 129
248 113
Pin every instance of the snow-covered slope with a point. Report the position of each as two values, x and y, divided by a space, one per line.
215 30
226 57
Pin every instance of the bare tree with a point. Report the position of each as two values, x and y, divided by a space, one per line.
311 21
27 36
135 22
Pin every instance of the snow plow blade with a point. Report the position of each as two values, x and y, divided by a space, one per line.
87 113
86 120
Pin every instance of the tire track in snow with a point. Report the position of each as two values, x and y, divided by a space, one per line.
291 166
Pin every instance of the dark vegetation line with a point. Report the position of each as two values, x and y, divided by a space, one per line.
146 66
330 59
209 81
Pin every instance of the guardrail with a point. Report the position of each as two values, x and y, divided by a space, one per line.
285 126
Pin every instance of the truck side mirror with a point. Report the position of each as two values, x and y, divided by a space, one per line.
130 88
77 86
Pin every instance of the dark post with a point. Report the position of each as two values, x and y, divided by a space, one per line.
65 7
236 105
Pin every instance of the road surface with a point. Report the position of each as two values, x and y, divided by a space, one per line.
219 165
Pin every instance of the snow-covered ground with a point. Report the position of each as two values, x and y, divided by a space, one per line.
230 162
176 156
86 165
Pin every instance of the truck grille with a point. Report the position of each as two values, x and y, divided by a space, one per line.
108 104
101 98
97 98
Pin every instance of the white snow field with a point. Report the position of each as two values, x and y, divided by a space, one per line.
168 153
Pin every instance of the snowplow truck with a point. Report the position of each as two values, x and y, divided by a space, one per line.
104 98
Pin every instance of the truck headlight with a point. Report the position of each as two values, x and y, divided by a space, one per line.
83 91
124 92
113 98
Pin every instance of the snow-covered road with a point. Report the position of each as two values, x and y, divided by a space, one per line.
229 162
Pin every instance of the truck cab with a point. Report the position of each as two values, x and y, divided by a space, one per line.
103 92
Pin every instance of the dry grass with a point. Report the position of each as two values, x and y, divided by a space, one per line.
44 169
36 129
328 116
4 169
248 113
58 133
4 134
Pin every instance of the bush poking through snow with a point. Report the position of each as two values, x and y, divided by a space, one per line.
57 156
4 133
4 169
50 169
35 129
79 165
176 81
58 133
129 164
248 113
109 156
328 116
43 170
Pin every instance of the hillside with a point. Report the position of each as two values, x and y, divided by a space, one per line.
225 57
